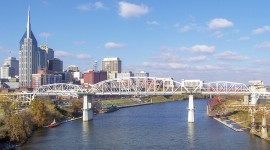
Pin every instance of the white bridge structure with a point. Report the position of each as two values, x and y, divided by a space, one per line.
140 86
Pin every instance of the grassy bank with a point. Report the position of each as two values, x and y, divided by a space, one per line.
148 99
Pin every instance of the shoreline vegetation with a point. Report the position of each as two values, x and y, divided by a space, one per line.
17 122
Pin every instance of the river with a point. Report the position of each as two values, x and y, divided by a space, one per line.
157 127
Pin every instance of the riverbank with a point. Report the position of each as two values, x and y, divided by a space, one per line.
230 125
227 111
256 132
134 105
65 121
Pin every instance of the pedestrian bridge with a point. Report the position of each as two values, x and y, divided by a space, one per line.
147 86
139 86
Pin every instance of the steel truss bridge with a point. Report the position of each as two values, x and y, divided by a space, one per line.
139 86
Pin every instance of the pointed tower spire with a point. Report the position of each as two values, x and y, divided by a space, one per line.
28 26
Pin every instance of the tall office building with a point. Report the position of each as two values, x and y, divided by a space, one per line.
28 64
55 65
13 68
44 54
112 65
49 51
7 71
42 59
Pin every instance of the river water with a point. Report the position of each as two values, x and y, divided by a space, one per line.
157 127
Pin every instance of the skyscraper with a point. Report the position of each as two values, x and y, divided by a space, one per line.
112 65
10 68
55 65
44 55
49 51
42 59
7 71
27 56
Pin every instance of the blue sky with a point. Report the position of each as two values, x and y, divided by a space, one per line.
185 39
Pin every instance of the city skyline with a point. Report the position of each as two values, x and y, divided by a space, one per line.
183 40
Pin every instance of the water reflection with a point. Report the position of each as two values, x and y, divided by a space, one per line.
86 131
191 135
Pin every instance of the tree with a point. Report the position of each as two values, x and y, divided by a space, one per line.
43 112
38 111
76 107
20 127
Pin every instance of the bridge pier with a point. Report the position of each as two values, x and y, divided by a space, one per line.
190 109
264 134
252 124
246 100
254 99
208 112
87 108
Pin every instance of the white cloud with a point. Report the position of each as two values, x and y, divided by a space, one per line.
130 10
152 23
264 45
244 38
61 53
219 23
112 45
199 49
187 27
90 6
171 57
98 5
197 59
229 55
261 30
83 56
79 42
45 34
208 68
194 49
218 34
155 65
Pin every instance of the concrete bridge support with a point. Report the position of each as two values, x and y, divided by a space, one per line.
252 124
87 108
207 110
190 109
246 101
264 128
254 99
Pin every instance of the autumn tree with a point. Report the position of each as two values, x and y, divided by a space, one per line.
37 110
76 107
43 112
20 126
